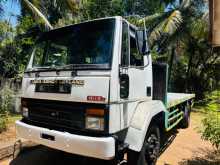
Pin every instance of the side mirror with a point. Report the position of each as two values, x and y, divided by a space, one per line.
141 39
124 86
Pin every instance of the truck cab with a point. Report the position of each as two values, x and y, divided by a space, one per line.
91 89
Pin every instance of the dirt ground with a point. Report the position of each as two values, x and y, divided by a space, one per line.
8 135
187 148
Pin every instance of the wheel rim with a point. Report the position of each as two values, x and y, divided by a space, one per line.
152 148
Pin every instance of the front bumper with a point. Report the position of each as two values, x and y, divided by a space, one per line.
101 148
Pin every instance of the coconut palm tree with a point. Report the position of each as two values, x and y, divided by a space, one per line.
38 14
165 29
166 23
169 30
48 12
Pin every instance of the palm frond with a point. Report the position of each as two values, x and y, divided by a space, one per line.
199 29
72 5
151 18
38 14
206 16
156 34
185 4
168 26
173 22
65 5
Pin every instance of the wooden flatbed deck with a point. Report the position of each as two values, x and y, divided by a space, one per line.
174 99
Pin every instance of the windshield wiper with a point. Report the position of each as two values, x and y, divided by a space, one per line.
43 68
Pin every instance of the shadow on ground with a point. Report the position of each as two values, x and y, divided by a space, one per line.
40 155
45 156
167 140
208 158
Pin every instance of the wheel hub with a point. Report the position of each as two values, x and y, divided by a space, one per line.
152 148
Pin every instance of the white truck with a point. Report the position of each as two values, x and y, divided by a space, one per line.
91 89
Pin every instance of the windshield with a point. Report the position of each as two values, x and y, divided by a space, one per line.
86 44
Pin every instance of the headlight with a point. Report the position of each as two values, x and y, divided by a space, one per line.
95 123
95 119
25 112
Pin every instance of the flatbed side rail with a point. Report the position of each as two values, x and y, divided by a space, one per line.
173 118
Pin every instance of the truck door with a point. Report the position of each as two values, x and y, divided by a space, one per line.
136 71
137 68
134 65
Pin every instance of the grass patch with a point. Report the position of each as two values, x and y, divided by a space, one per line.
3 124
13 118
5 121
197 117
210 124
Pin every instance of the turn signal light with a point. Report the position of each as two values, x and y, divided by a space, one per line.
95 112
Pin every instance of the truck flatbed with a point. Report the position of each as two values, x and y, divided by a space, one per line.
174 99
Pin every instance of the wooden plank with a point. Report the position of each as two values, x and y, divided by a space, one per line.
214 16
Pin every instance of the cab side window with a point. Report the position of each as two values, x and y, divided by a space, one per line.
135 58
125 45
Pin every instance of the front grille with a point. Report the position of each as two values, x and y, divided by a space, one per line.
59 115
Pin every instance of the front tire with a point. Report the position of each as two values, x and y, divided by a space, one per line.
150 150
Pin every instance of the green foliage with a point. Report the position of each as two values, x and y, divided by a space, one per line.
7 51
16 46
3 123
6 100
212 101
211 123
211 128
51 13
6 104
6 33
105 8
180 37
25 24
27 31
145 7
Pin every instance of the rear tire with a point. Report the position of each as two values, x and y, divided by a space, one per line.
185 123
150 150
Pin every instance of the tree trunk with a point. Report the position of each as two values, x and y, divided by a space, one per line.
171 63
189 66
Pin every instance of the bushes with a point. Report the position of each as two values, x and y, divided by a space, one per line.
211 123
3 123
213 101
211 128
6 104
